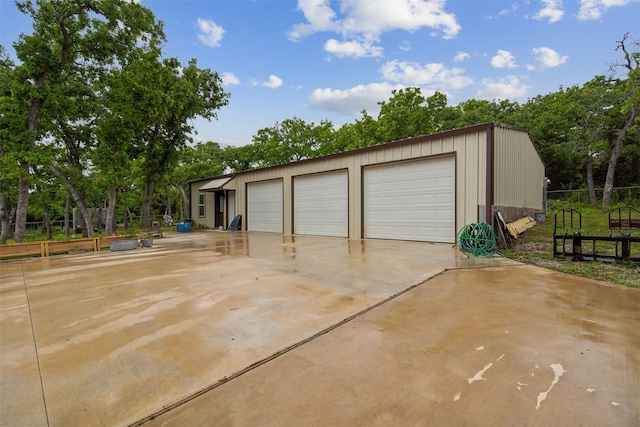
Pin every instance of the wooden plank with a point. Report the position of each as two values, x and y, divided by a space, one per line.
22 249
63 246
519 226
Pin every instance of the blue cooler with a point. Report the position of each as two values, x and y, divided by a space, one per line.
183 227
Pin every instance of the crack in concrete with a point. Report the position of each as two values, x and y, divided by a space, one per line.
255 365
35 343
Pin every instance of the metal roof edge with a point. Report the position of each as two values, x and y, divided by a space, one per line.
421 138
229 175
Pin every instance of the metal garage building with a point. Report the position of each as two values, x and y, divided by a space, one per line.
422 188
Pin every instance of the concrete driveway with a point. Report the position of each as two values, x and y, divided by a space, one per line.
215 328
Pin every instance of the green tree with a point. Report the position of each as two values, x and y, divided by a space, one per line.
203 160
475 111
292 140
404 115
128 102
177 95
68 35
362 133
588 108
13 130
240 159
549 124
628 107
74 105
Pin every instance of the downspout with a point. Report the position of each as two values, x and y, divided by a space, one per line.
490 174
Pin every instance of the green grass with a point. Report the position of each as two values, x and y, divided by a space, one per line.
535 247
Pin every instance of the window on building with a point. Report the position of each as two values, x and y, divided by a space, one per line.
201 207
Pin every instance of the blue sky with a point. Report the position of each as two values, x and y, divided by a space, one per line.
322 59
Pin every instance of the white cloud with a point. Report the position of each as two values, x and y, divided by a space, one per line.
353 49
506 88
433 75
319 15
398 75
461 56
229 79
375 17
210 33
512 9
551 11
405 46
352 101
503 59
367 20
593 9
273 83
548 57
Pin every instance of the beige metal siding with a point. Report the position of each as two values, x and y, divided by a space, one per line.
518 170
193 196
469 148
517 173
471 176
209 219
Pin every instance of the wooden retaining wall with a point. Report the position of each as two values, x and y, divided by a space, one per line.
53 247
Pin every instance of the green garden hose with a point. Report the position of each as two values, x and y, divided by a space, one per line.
478 239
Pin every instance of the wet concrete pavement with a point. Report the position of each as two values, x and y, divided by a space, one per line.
431 337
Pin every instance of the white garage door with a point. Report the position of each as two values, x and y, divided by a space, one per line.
321 204
411 201
264 206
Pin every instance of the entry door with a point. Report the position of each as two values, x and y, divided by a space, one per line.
411 200
264 206
321 204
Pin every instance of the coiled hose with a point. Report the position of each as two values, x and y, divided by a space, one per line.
478 239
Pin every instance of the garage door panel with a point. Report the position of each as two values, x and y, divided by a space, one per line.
411 201
264 206
321 204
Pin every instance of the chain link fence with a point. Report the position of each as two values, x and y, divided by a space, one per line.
620 195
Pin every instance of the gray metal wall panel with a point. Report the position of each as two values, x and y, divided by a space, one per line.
519 172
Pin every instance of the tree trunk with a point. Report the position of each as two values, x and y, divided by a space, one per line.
21 210
111 209
86 215
615 154
187 206
5 224
127 218
67 206
99 216
114 220
23 182
590 183
147 201
46 220
167 210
